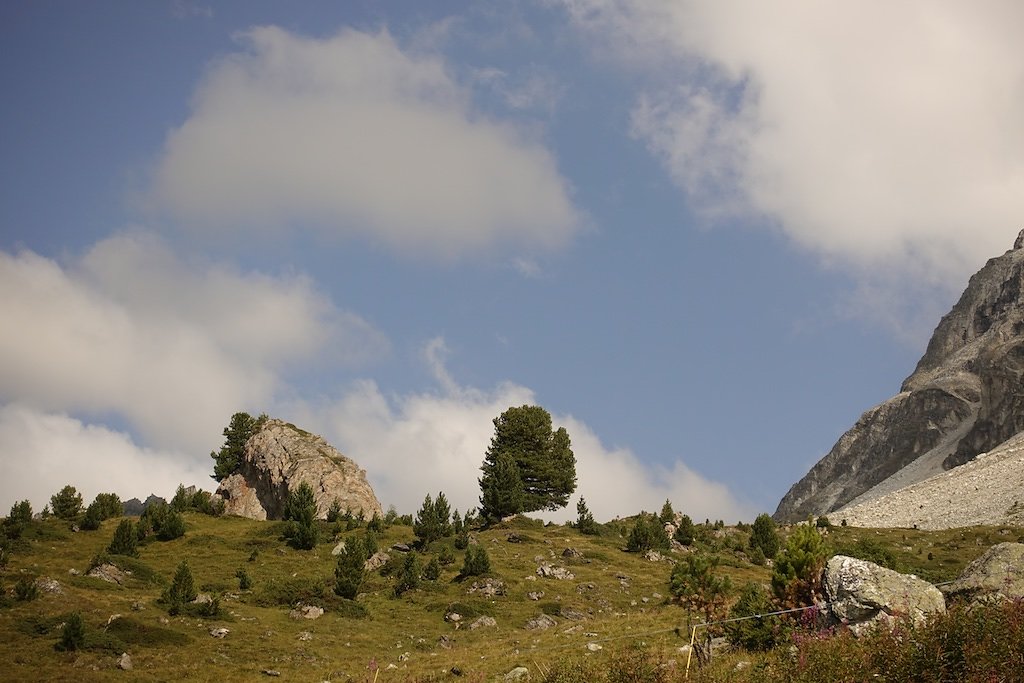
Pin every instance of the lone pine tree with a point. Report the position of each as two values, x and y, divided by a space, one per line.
542 458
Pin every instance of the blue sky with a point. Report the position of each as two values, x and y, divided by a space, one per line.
706 237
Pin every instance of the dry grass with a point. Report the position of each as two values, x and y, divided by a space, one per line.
405 638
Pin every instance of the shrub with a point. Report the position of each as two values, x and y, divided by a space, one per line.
685 532
697 586
764 536
244 581
67 503
409 576
18 520
647 534
334 511
375 525
182 589
163 520
823 523
26 590
762 633
93 518
870 550
72 635
173 527
476 561
796 577
462 539
350 570
125 541
446 556
432 572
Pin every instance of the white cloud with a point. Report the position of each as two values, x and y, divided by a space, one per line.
169 349
44 451
883 137
360 138
423 443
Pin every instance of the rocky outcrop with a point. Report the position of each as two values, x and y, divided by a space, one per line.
997 575
277 459
863 595
965 397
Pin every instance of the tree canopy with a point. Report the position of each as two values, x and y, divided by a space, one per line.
525 448
238 431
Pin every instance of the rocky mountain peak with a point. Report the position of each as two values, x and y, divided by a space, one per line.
965 397
278 458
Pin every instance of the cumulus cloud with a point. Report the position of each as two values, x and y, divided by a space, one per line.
170 349
427 442
355 135
881 137
44 451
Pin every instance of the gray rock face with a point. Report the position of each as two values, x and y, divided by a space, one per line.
281 456
862 594
997 575
965 397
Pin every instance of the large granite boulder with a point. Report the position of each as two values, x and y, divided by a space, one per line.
965 397
997 575
277 459
862 594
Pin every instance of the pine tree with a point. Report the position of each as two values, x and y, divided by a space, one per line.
125 541
501 489
67 503
685 532
764 536
442 512
182 589
544 460
350 570
300 512
585 523
427 526
668 515
409 576
236 434
647 534
476 561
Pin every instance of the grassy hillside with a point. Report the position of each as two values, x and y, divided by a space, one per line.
616 600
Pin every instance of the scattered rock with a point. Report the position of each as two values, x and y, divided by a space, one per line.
535 595
306 612
572 613
547 571
995 576
453 618
271 672
653 556
376 561
109 573
861 594
541 623
74 572
48 585
219 632
124 662
138 606
571 552
401 547
483 622
338 549
112 619
520 673
514 538
203 599
741 665
594 647
444 642
488 587
305 636
404 657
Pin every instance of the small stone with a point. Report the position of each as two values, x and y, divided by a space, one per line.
271 672
594 647
112 619
535 595
338 549
404 657
219 632
520 673
305 636
483 622
124 662
401 547
138 606
74 572
306 612
540 623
